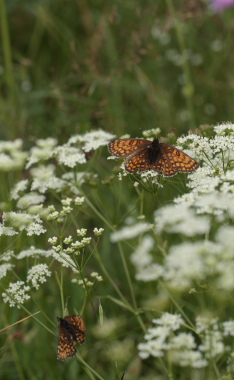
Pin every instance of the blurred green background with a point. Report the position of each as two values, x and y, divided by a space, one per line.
124 66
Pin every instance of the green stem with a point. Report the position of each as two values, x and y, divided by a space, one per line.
130 286
178 306
6 47
112 281
188 90
86 366
98 213
134 309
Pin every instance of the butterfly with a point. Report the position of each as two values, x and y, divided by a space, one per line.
72 331
145 155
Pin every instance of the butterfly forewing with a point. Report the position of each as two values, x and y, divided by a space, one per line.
125 147
72 330
77 324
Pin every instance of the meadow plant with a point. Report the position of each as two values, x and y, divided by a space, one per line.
164 249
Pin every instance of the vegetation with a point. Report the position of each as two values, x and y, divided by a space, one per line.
146 260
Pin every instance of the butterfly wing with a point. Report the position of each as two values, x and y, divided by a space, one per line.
179 161
141 162
78 327
162 166
147 155
125 147
66 345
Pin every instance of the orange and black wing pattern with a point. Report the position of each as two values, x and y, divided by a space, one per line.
125 147
179 161
66 345
78 325
72 330
145 155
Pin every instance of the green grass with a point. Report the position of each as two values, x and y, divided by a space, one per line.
125 67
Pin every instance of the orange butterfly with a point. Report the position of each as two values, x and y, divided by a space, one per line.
152 155
72 331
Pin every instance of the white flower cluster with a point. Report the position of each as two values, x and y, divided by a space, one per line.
4 268
11 155
63 255
209 203
168 338
16 294
42 151
37 275
129 232
92 140
70 154
32 224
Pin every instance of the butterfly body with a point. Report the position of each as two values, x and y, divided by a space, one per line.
72 331
145 155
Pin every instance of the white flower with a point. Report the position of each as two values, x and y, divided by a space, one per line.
180 219
79 201
53 240
206 323
228 327
37 275
30 199
129 232
11 146
44 179
4 268
69 156
35 228
66 210
86 241
7 256
68 240
185 263
35 253
81 232
12 162
66 202
150 273
213 203
20 186
98 232
151 132
212 344
16 294
228 127
141 257
53 215
153 347
183 341
150 175
8 231
92 140
173 321
42 152
188 358
64 259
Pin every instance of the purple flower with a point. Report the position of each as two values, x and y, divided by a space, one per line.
220 5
